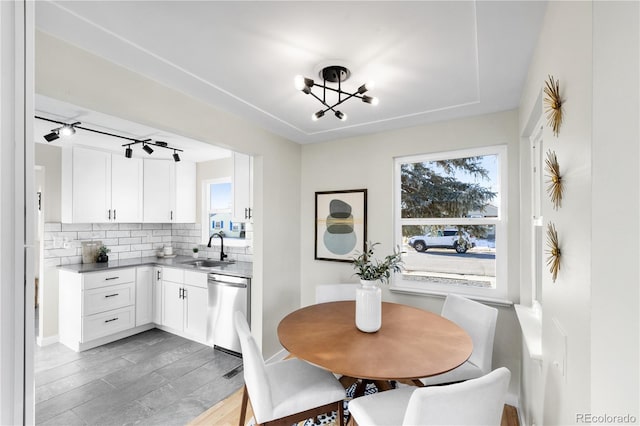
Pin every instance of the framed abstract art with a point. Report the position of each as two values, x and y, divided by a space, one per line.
340 224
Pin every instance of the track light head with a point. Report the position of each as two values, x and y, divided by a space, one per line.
176 157
317 115
50 137
147 149
128 152
67 130
341 116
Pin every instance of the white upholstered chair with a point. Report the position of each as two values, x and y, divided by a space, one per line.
335 292
479 321
474 402
284 392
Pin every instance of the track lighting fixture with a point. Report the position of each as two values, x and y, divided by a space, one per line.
333 74
69 129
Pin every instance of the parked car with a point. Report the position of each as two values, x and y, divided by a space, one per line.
447 238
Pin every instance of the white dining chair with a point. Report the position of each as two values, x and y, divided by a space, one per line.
479 321
335 292
284 392
477 401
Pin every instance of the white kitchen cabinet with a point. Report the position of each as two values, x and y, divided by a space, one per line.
242 187
97 307
157 295
100 187
144 295
159 191
185 303
169 191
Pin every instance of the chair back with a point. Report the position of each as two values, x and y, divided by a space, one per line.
479 321
255 375
473 402
335 292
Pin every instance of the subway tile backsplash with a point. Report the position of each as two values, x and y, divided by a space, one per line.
62 241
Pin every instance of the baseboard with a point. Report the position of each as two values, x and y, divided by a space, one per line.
46 341
278 356
513 400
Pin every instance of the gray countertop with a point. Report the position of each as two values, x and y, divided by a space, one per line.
237 269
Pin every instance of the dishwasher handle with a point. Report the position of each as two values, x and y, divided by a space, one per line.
227 284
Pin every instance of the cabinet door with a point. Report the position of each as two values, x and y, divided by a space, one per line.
185 209
126 189
159 191
144 295
241 186
196 312
157 296
91 187
173 306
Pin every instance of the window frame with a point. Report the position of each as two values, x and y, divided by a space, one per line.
206 198
499 293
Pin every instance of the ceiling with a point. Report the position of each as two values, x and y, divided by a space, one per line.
430 60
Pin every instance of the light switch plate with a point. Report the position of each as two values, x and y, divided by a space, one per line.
558 340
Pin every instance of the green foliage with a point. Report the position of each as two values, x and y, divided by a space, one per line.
195 249
371 269
429 194
103 251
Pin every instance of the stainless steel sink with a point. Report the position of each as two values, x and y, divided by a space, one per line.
207 263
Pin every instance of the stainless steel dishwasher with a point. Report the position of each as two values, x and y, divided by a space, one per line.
227 294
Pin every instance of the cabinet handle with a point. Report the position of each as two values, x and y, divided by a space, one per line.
111 295
112 319
171 214
111 278
158 279
114 214
184 293
245 213
249 213
109 214
180 294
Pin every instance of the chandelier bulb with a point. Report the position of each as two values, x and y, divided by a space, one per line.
317 115
299 82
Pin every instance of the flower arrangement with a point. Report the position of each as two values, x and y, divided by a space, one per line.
369 268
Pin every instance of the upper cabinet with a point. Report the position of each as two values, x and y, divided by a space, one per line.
100 187
169 191
242 187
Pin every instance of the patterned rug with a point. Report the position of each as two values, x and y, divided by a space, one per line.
330 420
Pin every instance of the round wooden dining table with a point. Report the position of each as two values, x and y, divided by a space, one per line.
412 343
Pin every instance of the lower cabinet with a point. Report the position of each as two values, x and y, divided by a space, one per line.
100 307
184 303
144 295
96 308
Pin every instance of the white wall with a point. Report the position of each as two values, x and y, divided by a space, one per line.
592 48
367 162
615 295
89 81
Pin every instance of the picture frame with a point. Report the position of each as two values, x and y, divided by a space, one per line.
340 224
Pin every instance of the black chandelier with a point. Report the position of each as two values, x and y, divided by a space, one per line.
66 130
334 74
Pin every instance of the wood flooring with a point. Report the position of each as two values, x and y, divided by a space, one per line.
227 413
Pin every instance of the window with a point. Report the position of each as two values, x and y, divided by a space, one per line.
216 207
450 215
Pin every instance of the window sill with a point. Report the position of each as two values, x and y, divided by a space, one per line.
531 325
488 300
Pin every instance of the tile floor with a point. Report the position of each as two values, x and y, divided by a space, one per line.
153 378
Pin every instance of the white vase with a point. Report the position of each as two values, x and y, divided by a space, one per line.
368 306
195 255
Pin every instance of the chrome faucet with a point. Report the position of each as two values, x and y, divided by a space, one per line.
222 253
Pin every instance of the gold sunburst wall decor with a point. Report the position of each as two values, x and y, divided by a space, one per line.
555 188
553 260
553 103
